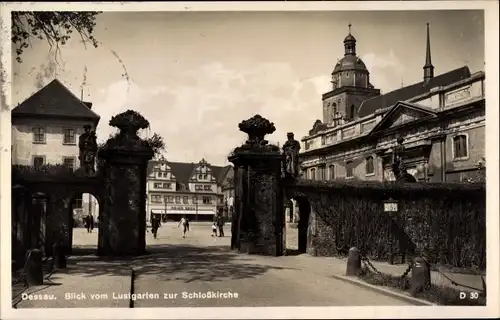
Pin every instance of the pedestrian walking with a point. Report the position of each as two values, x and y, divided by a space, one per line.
91 222
155 224
220 224
185 224
87 223
214 229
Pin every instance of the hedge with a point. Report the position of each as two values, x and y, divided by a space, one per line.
444 221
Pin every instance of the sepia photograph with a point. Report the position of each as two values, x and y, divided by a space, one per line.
221 159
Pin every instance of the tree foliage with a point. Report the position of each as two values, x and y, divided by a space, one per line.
55 27
156 142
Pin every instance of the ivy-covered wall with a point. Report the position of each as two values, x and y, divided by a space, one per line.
444 221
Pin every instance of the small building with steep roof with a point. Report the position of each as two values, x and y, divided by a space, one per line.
46 127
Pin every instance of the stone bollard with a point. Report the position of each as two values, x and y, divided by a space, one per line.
420 275
59 257
353 262
33 268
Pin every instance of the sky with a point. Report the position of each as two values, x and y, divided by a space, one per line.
196 75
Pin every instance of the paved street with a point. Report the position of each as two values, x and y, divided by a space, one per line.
200 264
201 271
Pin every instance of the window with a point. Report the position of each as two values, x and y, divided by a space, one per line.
69 136
369 167
38 135
69 162
200 176
177 199
77 202
352 111
331 172
349 169
198 187
207 188
321 173
460 147
207 200
156 199
165 174
38 161
157 185
195 199
170 199
185 200
204 176
167 185
334 107
313 174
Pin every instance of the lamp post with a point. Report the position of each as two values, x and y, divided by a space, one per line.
196 197
165 201
390 208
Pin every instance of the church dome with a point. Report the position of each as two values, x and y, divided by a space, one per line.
350 63
349 38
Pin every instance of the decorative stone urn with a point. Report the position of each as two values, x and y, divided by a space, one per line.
258 204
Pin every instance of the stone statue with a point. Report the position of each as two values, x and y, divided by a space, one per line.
398 165
87 143
291 150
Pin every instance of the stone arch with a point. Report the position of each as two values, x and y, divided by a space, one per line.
54 220
69 211
298 232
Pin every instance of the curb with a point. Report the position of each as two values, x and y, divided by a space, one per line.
384 291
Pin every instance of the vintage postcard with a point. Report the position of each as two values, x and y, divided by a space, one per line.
250 160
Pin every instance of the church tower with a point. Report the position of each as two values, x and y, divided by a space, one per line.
428 67
350 86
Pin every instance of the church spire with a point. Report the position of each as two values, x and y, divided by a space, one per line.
428 67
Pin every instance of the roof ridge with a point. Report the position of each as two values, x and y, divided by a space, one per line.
54 99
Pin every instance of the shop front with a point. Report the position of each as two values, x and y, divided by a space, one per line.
175 213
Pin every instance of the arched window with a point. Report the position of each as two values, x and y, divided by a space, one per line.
331 172
321 173
349 170
369 167
313 174
460 147
334 108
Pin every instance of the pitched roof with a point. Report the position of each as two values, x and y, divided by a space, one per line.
55 100
183 171
371 105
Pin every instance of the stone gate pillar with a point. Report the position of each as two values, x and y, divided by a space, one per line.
125 158
258 202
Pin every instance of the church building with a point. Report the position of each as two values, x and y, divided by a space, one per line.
441 119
